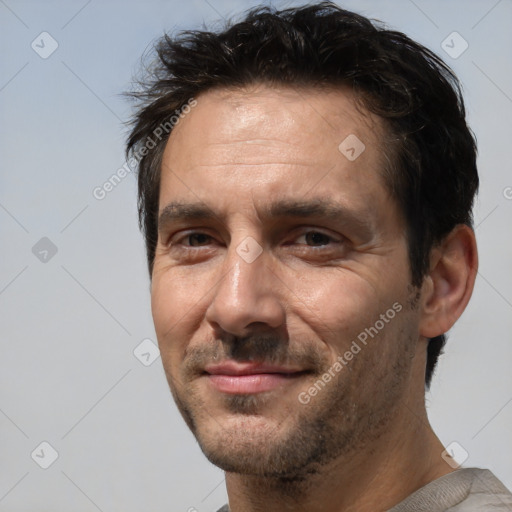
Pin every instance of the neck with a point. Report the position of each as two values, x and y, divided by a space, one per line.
402 460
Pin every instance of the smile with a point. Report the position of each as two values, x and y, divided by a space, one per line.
250 378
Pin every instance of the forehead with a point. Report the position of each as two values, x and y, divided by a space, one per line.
315 118
264 142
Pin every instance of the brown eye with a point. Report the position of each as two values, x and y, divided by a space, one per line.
200 238
317 238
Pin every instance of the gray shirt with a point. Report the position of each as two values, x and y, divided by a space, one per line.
464 490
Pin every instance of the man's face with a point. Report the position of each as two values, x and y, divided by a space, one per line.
279 255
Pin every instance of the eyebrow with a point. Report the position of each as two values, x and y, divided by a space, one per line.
326 209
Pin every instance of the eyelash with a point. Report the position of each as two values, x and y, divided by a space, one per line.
192 233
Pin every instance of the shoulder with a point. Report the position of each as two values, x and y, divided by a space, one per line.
485 493
463 490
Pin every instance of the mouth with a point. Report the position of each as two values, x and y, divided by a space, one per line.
250 378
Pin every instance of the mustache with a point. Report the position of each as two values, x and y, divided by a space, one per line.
258 348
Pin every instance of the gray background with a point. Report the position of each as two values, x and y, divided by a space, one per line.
70 322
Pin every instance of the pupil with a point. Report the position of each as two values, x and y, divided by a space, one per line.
199 238
317 238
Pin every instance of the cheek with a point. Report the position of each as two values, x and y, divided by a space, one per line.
337 297
177 307
342 306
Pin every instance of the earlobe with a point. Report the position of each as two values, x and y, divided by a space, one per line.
448 287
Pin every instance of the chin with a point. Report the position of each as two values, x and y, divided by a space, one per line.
260 446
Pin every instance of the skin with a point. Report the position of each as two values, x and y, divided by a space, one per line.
363 442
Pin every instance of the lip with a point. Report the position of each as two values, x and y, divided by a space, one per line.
234 368
250 378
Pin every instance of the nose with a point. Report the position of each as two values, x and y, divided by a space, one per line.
247 296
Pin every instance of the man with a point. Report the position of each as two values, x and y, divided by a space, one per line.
306 181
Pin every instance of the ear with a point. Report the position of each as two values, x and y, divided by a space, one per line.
448 287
